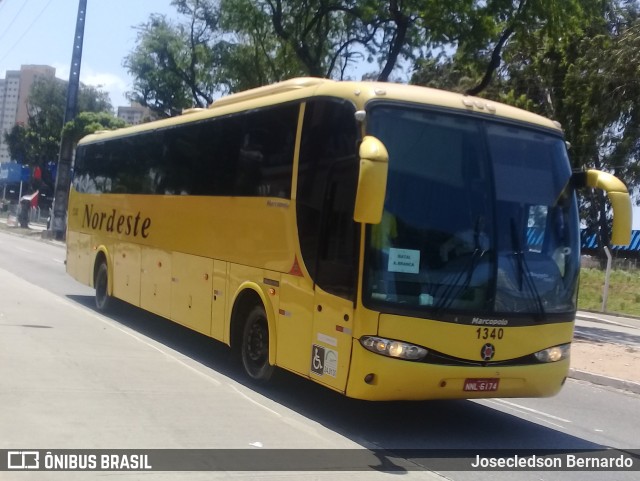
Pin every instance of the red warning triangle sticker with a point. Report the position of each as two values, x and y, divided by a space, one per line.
295 269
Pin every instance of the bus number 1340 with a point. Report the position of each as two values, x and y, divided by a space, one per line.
486 333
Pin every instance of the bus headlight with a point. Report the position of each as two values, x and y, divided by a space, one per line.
391 348
554 354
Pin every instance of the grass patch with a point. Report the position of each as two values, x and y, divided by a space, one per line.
624 291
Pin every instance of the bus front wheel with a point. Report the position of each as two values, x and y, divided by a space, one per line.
103 299
255 346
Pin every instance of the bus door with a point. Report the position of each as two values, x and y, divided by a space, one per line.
336 278
332 337
329 238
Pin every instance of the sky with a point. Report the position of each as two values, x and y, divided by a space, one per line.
41 32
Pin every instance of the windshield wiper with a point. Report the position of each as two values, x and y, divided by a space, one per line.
454 290
525 278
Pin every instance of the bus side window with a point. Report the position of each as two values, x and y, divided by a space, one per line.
250 160
225 135
265 159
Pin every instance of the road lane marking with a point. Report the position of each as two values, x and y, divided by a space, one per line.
22 249
534 413
277 414
521 412
531 410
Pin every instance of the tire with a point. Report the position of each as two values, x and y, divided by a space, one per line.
255 346
103 300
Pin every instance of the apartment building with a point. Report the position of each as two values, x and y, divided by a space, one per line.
135 114
14 92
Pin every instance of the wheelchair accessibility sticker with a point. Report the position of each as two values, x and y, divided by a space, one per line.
324 361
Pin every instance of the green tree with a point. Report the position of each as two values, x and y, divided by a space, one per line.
38 141
580 68
312 36
45 109
588 81
87 123
253 55
174 64
22 143
222 46
483 32
329 36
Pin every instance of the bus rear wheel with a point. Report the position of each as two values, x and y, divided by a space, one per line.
255 346
103 299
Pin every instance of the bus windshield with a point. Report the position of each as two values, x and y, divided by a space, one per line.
477 218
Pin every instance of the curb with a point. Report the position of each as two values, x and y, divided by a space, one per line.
605 380
612 314
611 322
29 233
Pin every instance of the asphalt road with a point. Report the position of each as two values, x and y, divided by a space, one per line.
73 378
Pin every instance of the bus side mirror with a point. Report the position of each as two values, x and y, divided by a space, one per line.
618 197
372 181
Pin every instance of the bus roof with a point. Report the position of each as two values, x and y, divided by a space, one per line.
360 93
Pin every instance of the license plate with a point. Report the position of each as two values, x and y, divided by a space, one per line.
481 385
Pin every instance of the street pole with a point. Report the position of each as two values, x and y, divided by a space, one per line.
63 177
607 275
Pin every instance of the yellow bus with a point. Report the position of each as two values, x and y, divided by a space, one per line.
390 242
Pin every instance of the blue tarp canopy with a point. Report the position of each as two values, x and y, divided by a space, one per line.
590 242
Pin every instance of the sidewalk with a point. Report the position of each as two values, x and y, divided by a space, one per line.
606 350
12 224
35 230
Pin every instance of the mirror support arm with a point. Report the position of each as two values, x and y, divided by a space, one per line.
618 197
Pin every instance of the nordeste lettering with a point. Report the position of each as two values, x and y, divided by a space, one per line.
113 221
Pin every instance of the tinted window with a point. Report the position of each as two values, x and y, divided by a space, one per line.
126 165
248 154
475 218
327 179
